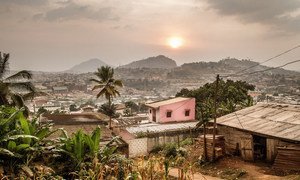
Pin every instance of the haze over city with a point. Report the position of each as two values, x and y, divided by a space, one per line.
49 35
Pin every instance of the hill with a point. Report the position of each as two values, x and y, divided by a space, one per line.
160 61
87 66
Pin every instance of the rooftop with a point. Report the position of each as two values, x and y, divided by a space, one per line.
156 128
277 120
168 101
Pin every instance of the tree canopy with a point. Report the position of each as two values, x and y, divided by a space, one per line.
231 96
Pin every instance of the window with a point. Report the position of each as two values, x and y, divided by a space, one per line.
169 114
187 112
150 111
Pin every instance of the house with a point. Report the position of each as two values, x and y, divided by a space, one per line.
87 122
60 89
269 132
169 121
88 108
120 109
143 137
177 109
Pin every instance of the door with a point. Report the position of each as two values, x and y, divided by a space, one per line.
247 148
153 115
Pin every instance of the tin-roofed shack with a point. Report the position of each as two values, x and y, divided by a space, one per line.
264 132
87 122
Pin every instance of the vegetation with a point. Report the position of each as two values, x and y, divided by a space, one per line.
231 95
15 88
21 140
109 110
107 85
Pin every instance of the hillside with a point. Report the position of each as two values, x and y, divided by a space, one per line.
160 61
87 66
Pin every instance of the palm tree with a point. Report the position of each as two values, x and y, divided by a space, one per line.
107 85
16 88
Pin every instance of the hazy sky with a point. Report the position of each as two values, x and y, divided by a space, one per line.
53 35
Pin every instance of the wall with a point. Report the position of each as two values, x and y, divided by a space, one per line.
178 111
234 136
142 146
137 147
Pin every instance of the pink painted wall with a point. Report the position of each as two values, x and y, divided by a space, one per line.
178 111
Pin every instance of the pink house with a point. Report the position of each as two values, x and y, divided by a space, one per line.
178 109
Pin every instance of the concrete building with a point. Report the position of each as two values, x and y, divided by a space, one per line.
170 121
177 109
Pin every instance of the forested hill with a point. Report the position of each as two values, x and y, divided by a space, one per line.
160 61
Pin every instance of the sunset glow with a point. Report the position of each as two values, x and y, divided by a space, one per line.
175 42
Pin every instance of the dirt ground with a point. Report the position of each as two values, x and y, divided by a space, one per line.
232 167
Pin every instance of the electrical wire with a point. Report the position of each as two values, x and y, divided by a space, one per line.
278 55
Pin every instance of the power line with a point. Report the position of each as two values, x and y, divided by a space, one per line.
278 55
292 62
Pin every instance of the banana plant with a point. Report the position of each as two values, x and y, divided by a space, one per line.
80 146
21 140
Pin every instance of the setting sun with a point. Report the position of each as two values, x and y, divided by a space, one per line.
175 42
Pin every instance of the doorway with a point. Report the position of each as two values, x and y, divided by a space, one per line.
260 148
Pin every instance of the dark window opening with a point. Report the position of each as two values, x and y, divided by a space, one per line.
169 113
187 113
150 110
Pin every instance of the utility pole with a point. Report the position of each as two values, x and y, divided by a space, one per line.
215 117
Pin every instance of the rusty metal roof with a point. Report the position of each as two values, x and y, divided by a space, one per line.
277 120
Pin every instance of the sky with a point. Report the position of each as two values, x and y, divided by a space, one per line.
54 35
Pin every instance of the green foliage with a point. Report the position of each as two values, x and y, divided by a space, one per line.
230 96
80 146
73 107
109 110
127 112
42 110
156 149
107 84
21 140
132 105
16 88
170 151
187 141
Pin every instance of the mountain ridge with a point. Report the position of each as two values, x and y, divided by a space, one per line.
87 66
160 61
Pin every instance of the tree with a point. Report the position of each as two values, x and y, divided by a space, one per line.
16 88
230 96
109 110
132 105
107 85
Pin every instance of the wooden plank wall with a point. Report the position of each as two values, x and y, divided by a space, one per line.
232 138
288 158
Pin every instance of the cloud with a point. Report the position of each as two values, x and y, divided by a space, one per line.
73 10
25 2
278 14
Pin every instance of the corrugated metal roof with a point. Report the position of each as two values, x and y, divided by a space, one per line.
277 120
168 101
156 128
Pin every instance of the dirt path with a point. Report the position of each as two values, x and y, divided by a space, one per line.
197 176
254 171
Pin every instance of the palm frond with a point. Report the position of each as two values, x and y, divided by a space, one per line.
20 75
22 86
118 83
3 64
98 86
18 100
96 81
